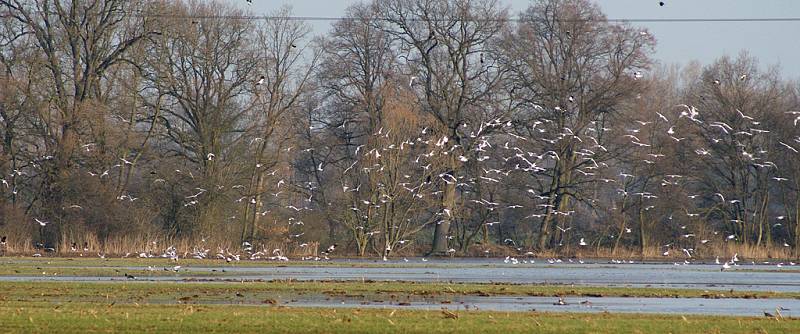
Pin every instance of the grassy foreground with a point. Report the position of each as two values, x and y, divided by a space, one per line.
29 317
255 307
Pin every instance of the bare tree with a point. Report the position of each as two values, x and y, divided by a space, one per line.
786 155
356 67
204 68
76 42
286 64
569 71
444 45
16 100
732 103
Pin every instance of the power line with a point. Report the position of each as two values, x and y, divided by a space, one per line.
764 19
513 19
343 18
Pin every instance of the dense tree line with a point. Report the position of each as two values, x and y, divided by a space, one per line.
412 126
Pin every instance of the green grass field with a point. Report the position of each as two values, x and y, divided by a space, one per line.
37 317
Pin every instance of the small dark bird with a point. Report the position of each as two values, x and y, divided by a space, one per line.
3 240
249 2
260 80
661 3
768 315
129 276
294 46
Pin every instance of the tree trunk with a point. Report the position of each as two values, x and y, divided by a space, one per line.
763 222
544 229
256 212
442 229
622 226
642 231
247 223
361 243
797 227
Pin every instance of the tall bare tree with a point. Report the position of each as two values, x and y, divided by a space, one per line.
444 45
77 42
570 69
202 70
287 61
734 103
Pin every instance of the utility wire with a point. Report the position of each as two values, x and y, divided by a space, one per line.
341 18
513 19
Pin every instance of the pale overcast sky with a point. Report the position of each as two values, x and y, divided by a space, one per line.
678 42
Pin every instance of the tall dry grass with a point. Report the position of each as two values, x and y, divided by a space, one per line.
656 253
151 244
155 244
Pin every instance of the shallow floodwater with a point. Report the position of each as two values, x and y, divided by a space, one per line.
753 277
667 275
730 307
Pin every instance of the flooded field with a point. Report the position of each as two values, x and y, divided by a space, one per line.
588 275
755 307
746 277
